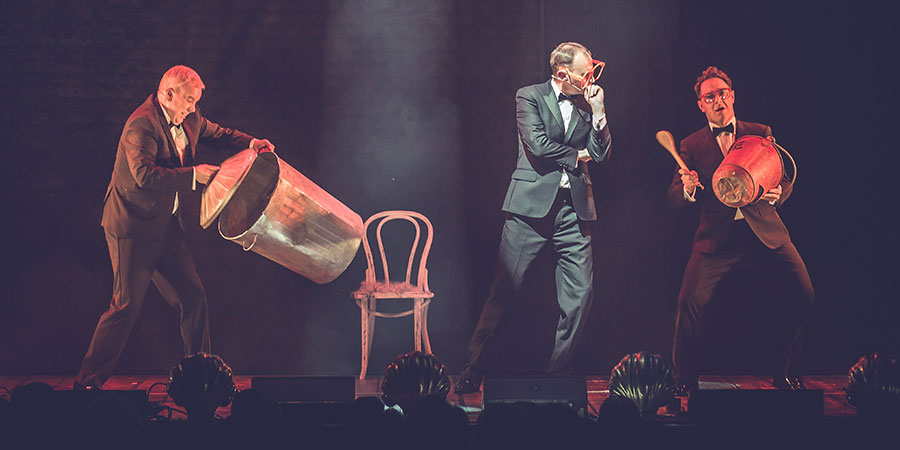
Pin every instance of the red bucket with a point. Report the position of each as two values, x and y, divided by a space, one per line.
752 167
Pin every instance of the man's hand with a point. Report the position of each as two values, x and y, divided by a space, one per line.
772 196
583 155
262 145
594 96
205 172
690 180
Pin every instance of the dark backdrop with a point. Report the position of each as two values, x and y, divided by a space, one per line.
410 105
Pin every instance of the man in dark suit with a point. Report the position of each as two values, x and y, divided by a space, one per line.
561 126
144 218
728 238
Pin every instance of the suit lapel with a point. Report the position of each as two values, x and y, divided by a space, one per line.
574 122
716 153
173 155
552 103
191 149
740 129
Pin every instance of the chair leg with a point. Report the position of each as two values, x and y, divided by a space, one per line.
425 328
417 324
371 336
367 328
364 334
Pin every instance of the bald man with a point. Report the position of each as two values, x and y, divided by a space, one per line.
143 217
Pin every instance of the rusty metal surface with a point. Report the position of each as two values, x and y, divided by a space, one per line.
752 167
222 186
278 213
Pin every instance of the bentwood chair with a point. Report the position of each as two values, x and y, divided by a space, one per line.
378 284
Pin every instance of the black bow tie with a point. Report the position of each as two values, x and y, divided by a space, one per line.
570 98
726 129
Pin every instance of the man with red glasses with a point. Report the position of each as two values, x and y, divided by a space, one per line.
730 238
561 127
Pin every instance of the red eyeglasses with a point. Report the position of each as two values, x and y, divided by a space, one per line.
581 82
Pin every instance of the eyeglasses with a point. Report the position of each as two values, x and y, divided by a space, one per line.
581 82
721 94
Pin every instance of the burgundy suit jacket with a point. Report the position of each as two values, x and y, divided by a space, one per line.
147 172
701 152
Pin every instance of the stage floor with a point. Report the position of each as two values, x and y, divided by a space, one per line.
832 385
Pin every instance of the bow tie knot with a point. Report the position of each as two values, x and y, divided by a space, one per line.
570 98
726 129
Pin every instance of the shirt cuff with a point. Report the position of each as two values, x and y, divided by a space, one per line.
690 197
193 179
600 122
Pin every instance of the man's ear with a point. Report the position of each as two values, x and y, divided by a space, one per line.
560 74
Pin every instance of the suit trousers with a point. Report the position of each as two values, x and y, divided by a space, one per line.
520 242
167 262
703 275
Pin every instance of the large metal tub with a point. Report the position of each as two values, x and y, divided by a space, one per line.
265 205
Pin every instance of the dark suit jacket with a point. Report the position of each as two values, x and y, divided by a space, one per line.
701 152
147 171
545 149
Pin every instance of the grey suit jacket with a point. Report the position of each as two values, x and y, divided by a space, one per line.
546 148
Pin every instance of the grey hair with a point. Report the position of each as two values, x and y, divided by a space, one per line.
564 54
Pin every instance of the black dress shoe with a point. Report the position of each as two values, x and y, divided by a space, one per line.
467 385
783 383
76 386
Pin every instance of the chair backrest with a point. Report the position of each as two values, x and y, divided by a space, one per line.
412 217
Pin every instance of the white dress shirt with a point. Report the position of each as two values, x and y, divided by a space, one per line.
725 141
566 107
181 143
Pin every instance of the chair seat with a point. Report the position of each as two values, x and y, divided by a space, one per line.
391 290
377 284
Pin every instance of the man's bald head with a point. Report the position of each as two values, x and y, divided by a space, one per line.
178 76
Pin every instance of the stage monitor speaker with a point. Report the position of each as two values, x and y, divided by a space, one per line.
761 406
299 389
309 400
72 403
570 391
